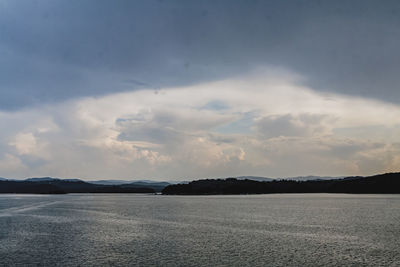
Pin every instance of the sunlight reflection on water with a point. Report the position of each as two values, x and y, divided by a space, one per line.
275 230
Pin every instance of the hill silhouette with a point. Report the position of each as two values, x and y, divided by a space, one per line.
58 186
388 183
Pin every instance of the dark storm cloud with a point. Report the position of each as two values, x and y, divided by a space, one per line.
57 50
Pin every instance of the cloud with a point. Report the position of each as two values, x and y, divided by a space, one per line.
53 51
323 155
270 125
11 165
288 125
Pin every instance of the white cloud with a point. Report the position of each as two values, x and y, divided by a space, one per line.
176 133
10 165
25 143
288 125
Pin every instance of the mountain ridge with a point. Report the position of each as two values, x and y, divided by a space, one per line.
48 185
73 185
388 183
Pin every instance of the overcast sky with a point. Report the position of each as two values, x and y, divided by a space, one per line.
178 90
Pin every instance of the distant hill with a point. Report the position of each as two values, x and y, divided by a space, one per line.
157 186
255 178
48 185
384 183
49 179
380 184
312 177
41 179
110 182
296 178
29 187
78 185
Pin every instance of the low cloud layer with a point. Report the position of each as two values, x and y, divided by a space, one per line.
251 125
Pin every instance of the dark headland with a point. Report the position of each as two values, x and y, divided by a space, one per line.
49 185
388 183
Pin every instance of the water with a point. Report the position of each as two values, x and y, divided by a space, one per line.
143 230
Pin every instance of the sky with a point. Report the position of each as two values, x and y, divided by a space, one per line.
178 90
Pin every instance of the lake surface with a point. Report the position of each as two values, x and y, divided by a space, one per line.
256 230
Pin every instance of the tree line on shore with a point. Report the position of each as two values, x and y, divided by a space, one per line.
388 183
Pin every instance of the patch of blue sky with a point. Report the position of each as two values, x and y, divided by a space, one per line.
216 105
240 126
